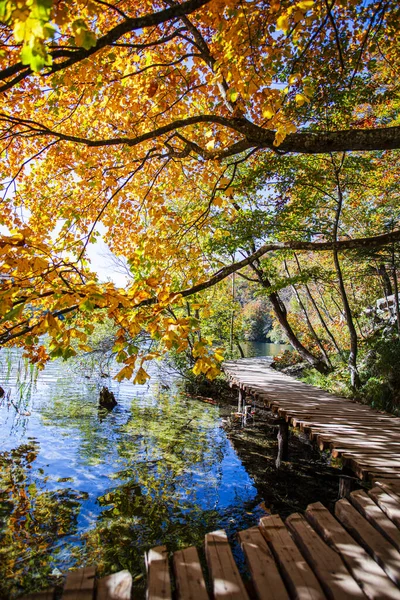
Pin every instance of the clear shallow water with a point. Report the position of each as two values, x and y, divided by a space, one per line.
81 486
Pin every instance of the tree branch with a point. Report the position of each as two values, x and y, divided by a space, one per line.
253 136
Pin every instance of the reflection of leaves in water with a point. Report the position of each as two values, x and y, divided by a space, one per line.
32 521
18 378
167 446
81 414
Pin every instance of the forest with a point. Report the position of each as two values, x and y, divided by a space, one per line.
239 159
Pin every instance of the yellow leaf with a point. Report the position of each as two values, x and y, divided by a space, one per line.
294 78
84 348
52 324
233 95
212 373
282 23
125 373
305 4
301 99
152 281
197 367
268 112
141 377
219 201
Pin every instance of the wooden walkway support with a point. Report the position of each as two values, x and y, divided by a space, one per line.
367 441
351 555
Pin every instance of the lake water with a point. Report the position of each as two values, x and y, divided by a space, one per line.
79 486
263 348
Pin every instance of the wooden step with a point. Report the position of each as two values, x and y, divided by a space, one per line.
375 515
391 486
369 575
115 587
79 584
158 578
374 543
333 576
266 579
389 503
189 575
299 578
226 580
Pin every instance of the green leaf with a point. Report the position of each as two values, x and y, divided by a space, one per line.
13 313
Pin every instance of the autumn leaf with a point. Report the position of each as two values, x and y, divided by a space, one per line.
141 376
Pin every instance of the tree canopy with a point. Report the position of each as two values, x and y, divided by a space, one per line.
163 122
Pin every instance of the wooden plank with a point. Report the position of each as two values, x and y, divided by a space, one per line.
391 486
365 471
264 572
374 543
376 459
189 575
369 575
115 587
42 595
79 584
364 448
371 511
158 578
390 504
299 578
329 568
226 581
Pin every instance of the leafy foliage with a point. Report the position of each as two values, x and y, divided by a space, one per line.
171 127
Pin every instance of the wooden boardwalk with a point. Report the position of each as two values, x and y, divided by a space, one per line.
367 441
312 556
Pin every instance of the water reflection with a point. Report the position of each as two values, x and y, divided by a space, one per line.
263 349
81 486
34 519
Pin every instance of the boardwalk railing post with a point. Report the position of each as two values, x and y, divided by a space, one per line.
240 400
347 483
283 442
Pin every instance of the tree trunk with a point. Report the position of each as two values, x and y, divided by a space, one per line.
321 318
232 314
281 315
396 292
352 362
238 344
387 285
309 324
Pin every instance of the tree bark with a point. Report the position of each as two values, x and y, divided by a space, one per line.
281 315
309 324
317 310
396 292
387 284
352 362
